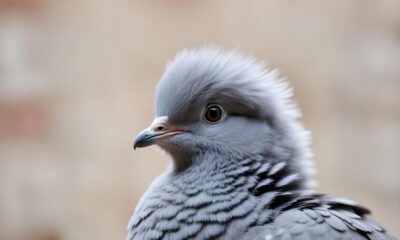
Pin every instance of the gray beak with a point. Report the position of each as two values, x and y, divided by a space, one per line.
158 130
145 138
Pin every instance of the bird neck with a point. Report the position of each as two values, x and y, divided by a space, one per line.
261 173
286 146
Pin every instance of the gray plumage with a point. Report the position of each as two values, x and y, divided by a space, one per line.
248 176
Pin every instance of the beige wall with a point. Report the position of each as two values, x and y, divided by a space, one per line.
77 83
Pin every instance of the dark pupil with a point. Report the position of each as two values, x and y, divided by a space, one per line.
213 114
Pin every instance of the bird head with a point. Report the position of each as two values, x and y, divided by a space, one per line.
223 104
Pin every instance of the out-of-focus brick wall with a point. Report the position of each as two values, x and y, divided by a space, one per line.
77 82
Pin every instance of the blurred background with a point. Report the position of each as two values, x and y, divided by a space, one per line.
77 82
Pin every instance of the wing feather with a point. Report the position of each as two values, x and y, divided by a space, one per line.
330 219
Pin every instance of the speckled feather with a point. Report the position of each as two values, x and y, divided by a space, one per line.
221 186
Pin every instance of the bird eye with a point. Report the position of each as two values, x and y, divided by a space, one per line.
213 114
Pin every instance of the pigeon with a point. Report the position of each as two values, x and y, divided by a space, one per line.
241 167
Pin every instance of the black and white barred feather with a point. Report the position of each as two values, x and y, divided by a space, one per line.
255 201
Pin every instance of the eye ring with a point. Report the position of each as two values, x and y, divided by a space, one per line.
213 114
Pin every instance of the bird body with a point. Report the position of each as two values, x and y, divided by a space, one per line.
241 164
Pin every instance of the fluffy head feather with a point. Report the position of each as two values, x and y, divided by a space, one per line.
230 78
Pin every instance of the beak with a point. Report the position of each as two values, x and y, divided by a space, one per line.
158 130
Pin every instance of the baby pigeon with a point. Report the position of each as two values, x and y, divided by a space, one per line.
241 167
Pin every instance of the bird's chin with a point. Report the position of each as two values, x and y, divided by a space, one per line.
181 153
